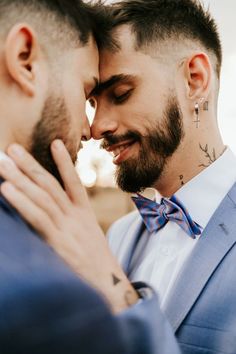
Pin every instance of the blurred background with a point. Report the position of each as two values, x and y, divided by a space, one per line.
95 165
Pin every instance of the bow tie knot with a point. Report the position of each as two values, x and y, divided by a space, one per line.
155 216
162 211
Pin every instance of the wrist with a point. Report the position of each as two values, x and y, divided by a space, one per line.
116 288
121 296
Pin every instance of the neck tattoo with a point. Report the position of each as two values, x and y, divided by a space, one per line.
181 178
206 106
210 156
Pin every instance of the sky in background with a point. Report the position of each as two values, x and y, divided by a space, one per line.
95 164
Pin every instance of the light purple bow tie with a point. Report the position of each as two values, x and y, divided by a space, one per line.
155 215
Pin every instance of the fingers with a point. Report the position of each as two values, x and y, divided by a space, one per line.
36 195
29 211
72 183
38 174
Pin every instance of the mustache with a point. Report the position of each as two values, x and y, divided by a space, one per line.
111 139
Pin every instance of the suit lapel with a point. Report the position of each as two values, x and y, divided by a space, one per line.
130 240
217 239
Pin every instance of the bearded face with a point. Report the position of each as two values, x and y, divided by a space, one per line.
155 147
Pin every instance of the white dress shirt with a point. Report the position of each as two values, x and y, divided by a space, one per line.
159 256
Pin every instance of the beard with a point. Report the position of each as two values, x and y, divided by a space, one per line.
160 142
54 124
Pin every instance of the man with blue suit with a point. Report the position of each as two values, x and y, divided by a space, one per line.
156 109
49 65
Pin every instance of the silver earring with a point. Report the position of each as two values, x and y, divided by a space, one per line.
196 110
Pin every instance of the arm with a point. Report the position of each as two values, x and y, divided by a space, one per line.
145 326
67 317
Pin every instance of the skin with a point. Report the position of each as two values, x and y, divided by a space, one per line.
26 81
39 94
189 73
153 78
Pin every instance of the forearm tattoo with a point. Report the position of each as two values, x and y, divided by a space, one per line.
128 295
115 279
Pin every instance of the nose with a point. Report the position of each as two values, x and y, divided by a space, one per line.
86 131
103 124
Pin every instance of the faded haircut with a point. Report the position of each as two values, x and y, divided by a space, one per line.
60 23
158 21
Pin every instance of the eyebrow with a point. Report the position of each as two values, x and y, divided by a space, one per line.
113 80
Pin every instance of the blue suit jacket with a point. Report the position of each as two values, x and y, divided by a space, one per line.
46 309
202 305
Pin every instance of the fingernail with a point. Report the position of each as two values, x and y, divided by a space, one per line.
16 150
57 144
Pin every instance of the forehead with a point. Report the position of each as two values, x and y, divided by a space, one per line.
127 60
88 59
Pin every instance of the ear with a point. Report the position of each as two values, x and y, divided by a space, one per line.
21 51
198 71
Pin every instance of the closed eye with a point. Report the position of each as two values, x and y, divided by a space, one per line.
119 99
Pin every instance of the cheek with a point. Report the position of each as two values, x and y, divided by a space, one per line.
76 105
139 118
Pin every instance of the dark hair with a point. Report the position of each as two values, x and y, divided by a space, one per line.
82 19
160 20
76 12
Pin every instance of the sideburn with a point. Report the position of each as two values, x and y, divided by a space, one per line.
54 124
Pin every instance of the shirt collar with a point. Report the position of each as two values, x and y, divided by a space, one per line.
202 194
